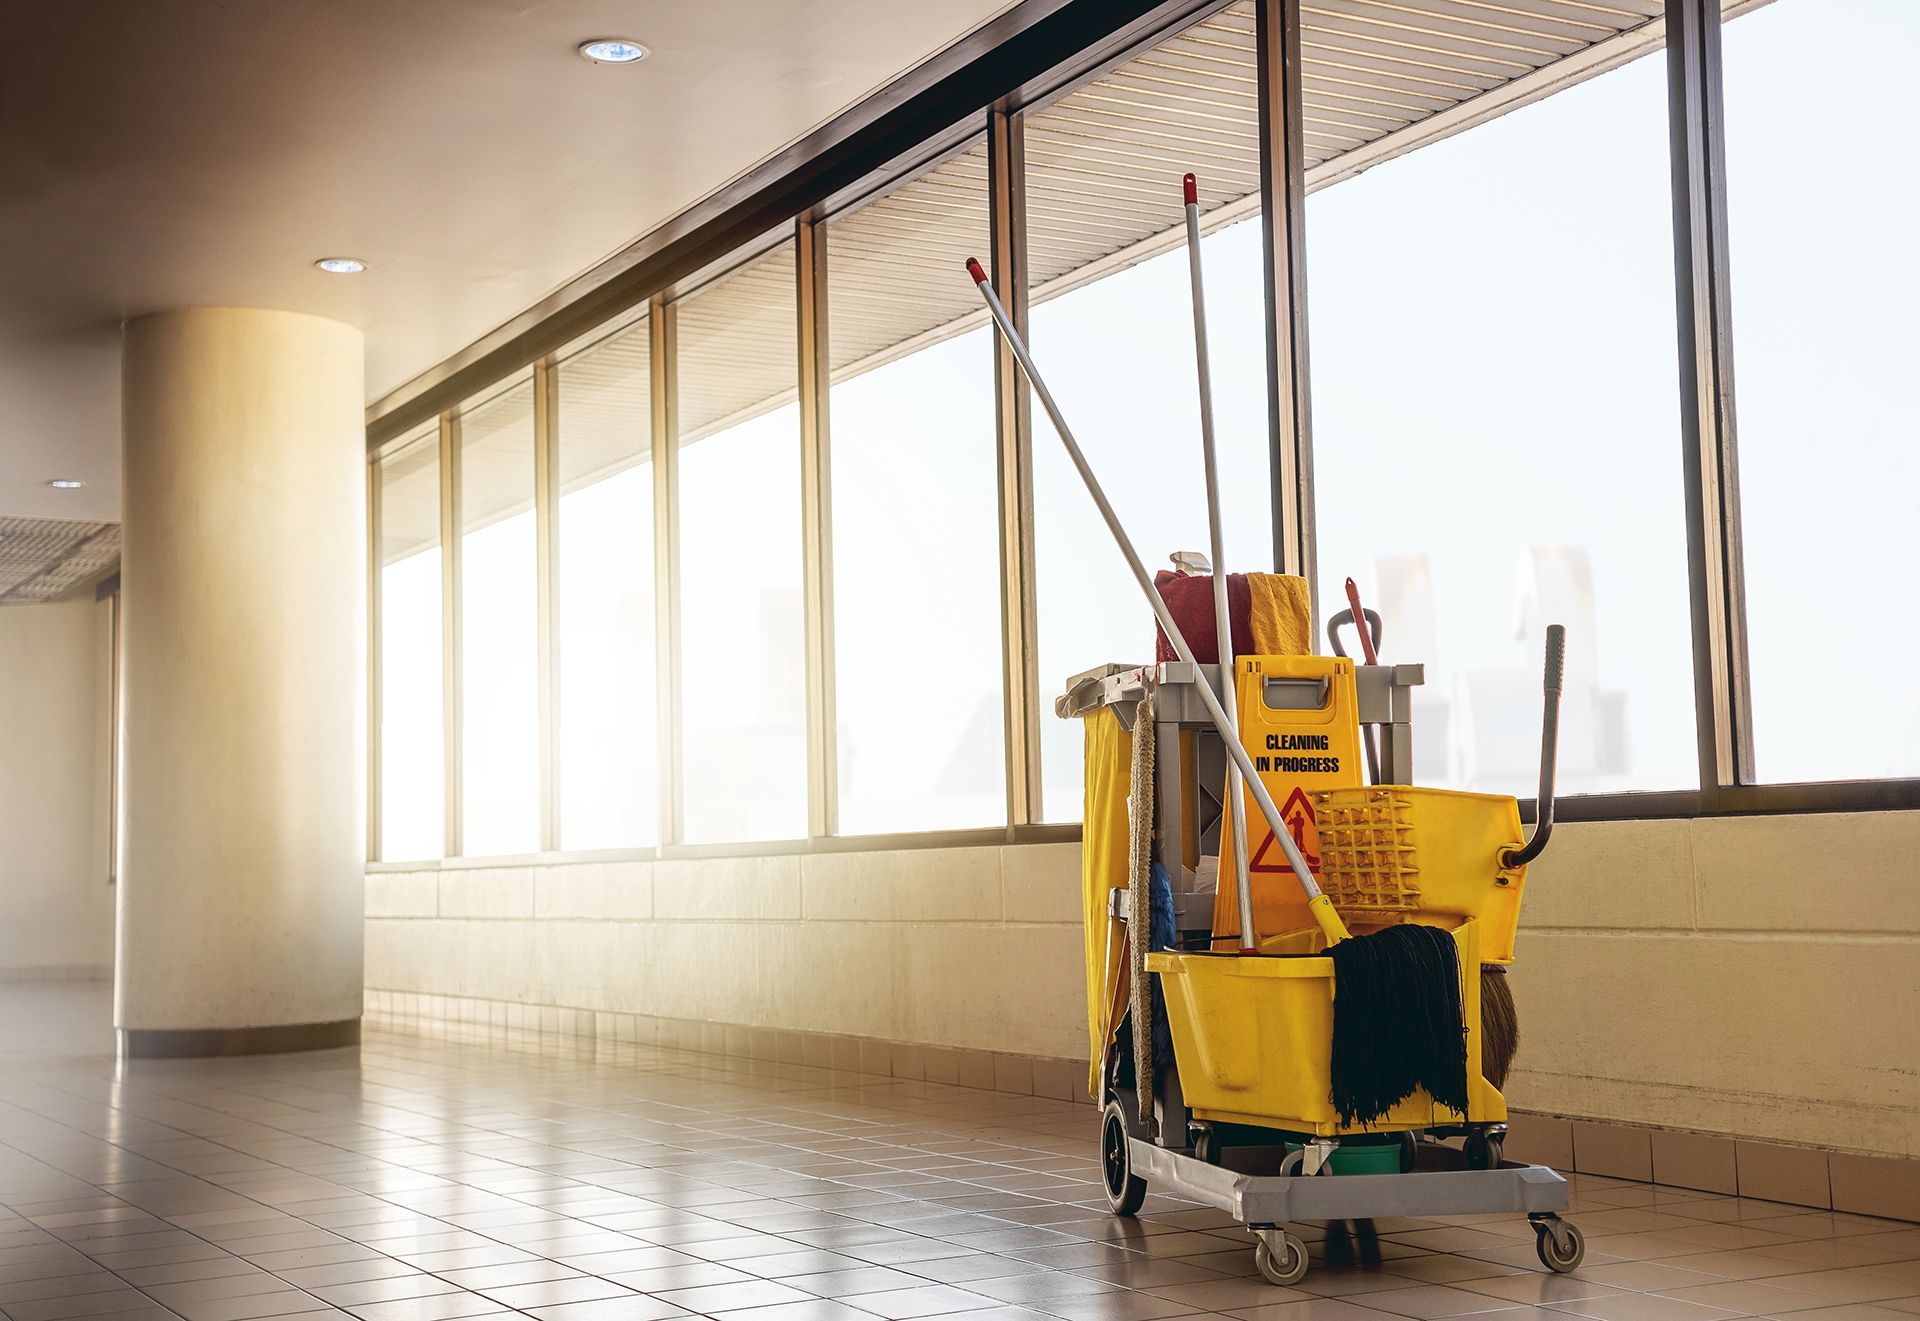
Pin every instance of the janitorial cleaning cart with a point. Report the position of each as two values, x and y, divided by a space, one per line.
1295 957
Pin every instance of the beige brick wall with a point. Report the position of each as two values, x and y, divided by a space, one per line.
1758 977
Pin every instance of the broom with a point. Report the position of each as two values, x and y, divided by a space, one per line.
1381 976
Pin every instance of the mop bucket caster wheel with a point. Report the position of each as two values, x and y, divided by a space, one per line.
1126 1191
1560 1244
1206 1146
1484 1152
1280 1257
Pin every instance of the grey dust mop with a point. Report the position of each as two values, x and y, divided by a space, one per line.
1388 984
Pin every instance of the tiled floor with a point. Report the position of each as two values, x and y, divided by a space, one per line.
422 1179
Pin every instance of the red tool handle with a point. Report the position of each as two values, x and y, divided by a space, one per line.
1360 624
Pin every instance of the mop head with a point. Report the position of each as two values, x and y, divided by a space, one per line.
1398 1022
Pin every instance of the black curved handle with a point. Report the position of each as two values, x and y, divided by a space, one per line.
1346 617
1549 746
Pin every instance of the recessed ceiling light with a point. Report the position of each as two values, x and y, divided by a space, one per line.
341 265
66 483
613 50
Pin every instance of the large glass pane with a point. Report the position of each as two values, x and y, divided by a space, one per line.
609 758
1825 277
742 634
1496 423
1112 329
412 740
499 640
916 576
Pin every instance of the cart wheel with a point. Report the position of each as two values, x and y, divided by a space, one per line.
1484 1152
1560 1244
1206 1147
1125 1190
1280 1257
1409 1152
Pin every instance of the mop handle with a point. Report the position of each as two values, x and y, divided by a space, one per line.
1322 907
1359 614
1222 622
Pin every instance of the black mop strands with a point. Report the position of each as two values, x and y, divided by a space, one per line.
1399 1021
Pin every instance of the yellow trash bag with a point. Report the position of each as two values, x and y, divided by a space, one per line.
1103 869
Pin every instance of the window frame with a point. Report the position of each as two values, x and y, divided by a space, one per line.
1032 54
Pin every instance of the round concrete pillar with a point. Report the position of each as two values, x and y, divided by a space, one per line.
243 592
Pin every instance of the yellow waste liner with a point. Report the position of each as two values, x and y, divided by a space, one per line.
1392 853
1253 1036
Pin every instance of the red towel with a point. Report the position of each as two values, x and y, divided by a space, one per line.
1189 597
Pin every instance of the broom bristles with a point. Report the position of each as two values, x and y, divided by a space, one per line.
1499 1025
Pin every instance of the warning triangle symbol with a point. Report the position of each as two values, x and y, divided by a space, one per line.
1298 814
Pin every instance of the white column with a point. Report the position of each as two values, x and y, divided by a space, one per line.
243 586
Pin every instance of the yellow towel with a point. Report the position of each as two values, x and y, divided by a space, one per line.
1281 614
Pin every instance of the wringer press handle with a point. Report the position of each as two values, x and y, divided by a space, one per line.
1549 745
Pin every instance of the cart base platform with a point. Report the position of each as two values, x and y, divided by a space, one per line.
1440 1183
1255 1199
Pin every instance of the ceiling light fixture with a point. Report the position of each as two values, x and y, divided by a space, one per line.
341 265
66 484
612 50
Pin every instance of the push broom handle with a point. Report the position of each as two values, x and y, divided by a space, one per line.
1322 907
1222 623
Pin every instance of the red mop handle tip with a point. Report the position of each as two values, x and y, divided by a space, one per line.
976 271
1190 189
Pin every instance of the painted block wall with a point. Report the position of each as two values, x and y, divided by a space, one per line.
1672 973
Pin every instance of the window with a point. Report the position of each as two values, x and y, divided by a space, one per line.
608 748
743 757
1824 277
1112 328
499 640
920 718
412 748
1496 434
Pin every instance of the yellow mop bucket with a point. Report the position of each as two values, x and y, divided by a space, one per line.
1393 853
1254 1039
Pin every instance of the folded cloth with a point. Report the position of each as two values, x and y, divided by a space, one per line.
1282 614
1189 598
1270 613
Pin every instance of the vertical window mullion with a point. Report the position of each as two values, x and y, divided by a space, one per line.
662 348
451 697
1704 317
373 661
547 596
1283 210
1006 175
816 529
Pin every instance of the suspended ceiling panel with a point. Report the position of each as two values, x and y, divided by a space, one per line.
739 353
410 497
894 263
605 407
496 456
1104 161
42 559
1374 69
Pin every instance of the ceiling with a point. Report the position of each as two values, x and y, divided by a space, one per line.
42 559
205 152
